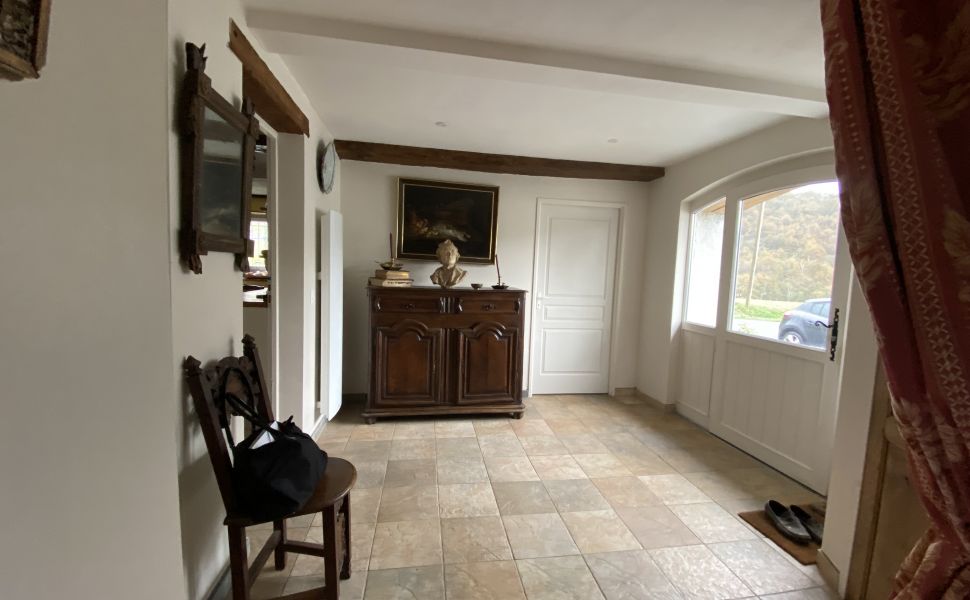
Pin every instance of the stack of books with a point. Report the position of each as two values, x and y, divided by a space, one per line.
384 278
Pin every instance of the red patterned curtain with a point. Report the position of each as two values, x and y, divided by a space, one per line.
898 81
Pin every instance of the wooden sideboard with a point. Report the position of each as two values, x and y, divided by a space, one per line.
445 351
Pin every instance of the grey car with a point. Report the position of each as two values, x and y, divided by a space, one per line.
798 324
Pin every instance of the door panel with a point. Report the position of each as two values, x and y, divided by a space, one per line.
488 369
412 355
576 252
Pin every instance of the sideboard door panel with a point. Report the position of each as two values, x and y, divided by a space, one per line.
411 356
488 365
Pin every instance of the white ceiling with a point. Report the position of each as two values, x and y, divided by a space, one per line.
551 78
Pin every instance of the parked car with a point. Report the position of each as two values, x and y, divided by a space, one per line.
798 324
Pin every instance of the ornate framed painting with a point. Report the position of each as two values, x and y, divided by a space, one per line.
430 212
24 25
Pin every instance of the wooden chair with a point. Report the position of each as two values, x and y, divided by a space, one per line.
331 498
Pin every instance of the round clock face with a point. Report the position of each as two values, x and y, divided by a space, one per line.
326 168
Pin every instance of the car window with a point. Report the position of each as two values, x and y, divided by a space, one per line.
818 308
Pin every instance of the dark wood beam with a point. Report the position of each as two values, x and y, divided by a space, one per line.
492 163
273 103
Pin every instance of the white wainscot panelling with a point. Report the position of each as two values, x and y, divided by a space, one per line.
772 400
574 313
696 370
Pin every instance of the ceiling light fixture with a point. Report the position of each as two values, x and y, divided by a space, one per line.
440 124
612 141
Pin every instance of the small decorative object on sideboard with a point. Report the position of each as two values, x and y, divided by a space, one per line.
393 264
448 274
23 38
391 273
476 286
498 271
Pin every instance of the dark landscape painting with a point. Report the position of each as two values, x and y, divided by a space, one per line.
430 212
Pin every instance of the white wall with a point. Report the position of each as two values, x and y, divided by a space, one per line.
369 192
666 233
90 493
207 315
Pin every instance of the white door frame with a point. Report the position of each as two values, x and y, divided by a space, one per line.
617 268
272 195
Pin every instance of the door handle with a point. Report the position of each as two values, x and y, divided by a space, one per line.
834 336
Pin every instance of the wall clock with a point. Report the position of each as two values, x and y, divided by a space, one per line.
326 168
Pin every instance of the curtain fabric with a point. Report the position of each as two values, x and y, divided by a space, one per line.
898 84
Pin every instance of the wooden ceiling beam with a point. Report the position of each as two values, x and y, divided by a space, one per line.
492 163
273 103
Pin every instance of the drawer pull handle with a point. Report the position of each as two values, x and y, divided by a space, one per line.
408 306
488 307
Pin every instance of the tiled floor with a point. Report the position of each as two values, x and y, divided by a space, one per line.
585 497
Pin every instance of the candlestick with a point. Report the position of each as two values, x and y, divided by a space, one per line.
390 244
498 271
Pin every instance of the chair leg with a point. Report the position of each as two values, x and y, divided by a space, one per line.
345 509
279 554
238 563
330 542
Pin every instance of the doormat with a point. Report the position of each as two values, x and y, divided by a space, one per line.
803 553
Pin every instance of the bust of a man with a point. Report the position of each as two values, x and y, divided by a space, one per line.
448 274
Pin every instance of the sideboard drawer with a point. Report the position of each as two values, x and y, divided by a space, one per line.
486 306
401 303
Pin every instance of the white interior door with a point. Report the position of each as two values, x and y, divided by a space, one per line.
331 312
575 268
785 275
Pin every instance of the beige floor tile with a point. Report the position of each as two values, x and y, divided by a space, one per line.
760 567
599 531
350 589
370 474
454 429
406 584
414 431
645 462
625 491
602 465
364 504
533 536
510 468
494 580
357 451
570 495
418 471
500 444
474 539
522 498
466 500
623 443
361 540
490 425
463 447
711 523
406 544
530 427
557 467
542 445
408 503
264 589
410 449
566 425
461 470
630 575
817 593
656 527
674 489
558 578
582 443
698 574
377 431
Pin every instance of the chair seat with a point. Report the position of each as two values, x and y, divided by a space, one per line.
336 482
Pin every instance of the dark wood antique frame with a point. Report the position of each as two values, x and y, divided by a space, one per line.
27 53
197 95
402 182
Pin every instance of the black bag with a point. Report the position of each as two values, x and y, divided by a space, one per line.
277 478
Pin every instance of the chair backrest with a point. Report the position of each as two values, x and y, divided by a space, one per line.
241 376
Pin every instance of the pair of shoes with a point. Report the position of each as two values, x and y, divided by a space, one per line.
793 523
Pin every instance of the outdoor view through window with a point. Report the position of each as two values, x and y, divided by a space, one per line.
785 262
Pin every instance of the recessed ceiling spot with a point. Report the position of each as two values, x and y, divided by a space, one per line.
440 124
612 141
